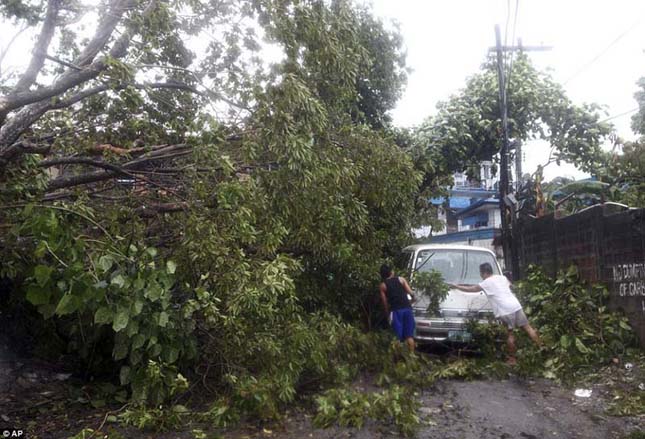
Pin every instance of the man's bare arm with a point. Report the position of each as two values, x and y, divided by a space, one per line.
466 288
406 287
384 300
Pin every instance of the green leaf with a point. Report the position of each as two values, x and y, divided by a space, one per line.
120 349
139 284
155 350
133 328
549 375
138 341
625 325
103 315
121 320
97 403
170 354
171 267
153 292
581 346
38 295
42 274
47 310
118 280
137 307
179 409
565 341
163 319
67 305
105 262
124 375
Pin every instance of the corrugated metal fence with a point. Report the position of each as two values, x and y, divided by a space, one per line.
606 247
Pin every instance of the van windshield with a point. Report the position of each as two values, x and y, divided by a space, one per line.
456 266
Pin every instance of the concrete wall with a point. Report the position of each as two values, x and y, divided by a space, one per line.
606 247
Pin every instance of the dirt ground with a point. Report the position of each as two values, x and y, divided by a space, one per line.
35 397
500 409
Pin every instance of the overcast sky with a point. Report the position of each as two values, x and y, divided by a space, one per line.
447 41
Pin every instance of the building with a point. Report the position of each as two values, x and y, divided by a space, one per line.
470 214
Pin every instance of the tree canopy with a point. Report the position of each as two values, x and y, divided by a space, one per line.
174 196
467 128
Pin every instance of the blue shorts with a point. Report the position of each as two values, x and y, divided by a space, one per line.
403 323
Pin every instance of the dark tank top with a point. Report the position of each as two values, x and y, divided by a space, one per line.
397 298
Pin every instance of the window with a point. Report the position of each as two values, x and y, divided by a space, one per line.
473 260
456 266
450 263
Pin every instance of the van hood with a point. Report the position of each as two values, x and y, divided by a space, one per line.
457 302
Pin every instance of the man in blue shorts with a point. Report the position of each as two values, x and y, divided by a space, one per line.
396 296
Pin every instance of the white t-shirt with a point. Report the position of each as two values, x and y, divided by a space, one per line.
498 291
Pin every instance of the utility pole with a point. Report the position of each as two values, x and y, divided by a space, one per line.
503 175
509 223
518 165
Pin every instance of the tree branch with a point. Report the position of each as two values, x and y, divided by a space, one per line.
151 210
23 147
30 114
77 161
35 102
109 22
110 170
40 48
61 62
71 78
71 100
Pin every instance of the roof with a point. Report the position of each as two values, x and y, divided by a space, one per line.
416 247
454 202
472 192
476 205
460 198
465 235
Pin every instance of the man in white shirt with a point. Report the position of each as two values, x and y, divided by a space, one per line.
505 306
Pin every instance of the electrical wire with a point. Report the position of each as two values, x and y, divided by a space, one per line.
508 19
605 50
510 66
625 113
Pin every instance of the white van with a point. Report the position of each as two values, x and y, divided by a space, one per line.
458 264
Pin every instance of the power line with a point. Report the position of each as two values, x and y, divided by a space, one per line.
625 113
605 50
508 19
510 66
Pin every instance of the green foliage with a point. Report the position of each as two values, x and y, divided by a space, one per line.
488 337
626 174
466 128
631 403
638 119
280 208
18 10
351 408
380 87
578 330
94 282
432 285
156 419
